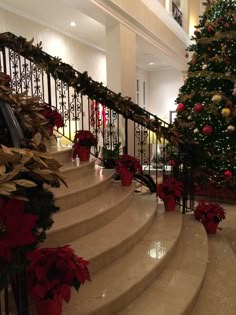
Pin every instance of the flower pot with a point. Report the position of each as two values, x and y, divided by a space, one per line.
83 153
49 306
126 177
211 227
170 204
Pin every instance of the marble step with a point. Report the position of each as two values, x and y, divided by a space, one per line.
120 235
72 170
176 289
117 285
85 218
83 189
61 154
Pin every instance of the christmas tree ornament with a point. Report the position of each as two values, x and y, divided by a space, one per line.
197 33
180 107
230 128
225 112
207 130
204 67
210 28
195 130
228 173
198 107
216 98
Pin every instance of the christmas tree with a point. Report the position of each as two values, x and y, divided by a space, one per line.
206 104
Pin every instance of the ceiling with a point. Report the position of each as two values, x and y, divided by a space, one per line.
90 21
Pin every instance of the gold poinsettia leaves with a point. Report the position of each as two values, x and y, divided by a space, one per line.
27 110
23 168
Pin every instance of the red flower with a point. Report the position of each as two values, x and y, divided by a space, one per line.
128 162
54 118
53 271
84 138
171 188
209 212
15 227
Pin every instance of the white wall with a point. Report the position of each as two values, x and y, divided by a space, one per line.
82 57
164 87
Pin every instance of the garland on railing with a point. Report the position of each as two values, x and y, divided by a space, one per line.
85 85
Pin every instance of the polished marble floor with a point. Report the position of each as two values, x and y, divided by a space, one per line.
218 293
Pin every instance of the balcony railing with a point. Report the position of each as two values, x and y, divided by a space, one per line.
177 14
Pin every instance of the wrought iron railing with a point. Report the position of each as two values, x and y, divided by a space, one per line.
177 14
83 102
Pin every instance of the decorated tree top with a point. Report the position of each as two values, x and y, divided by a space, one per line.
206 104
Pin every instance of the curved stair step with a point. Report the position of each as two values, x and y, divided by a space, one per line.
61 154
83 189
119 236
117 285
95 213
72 170
177 288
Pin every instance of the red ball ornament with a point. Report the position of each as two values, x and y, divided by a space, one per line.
228 173
207 130
209 29
209 48
198 107
226 25
180 107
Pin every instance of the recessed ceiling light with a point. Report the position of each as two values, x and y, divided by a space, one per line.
151 63
72 23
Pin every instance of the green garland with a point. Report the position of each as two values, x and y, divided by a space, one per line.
83 84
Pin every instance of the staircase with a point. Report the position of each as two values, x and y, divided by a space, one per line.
142 260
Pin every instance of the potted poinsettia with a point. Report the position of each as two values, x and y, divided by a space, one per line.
51 272
83 141
127 166
210 214
170 191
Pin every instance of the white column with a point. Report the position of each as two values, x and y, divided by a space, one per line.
121 65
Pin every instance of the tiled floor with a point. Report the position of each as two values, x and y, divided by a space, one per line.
218 293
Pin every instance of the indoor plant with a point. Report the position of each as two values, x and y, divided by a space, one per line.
51 272
83 141
210 214
53 116
169 192
127 166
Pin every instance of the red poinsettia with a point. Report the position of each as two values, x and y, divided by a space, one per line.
129 163
15 227
210 214
170 189
53 271
83 138
54 118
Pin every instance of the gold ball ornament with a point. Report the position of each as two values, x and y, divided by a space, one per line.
225 112
230 128
216 98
